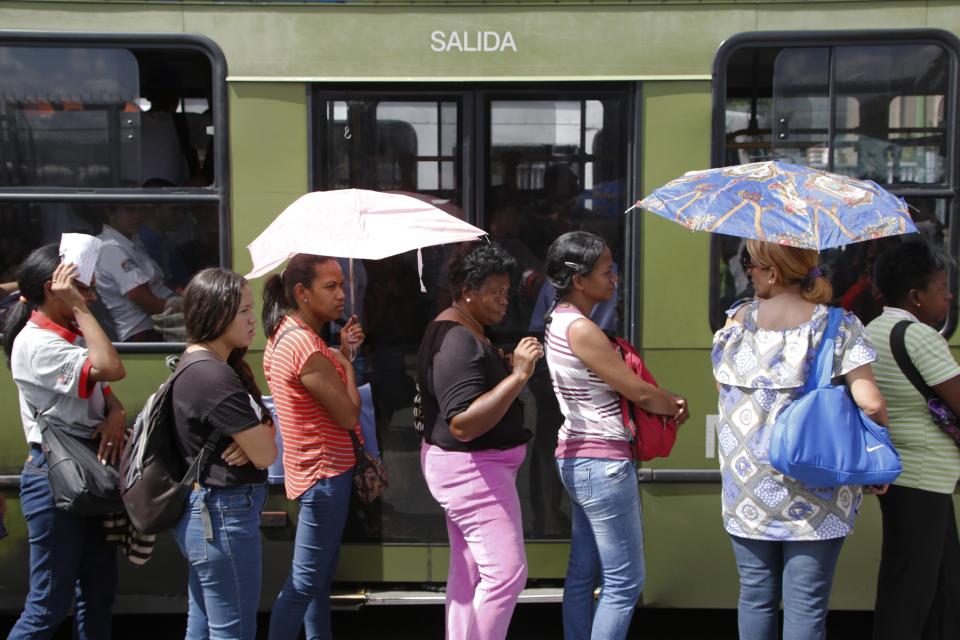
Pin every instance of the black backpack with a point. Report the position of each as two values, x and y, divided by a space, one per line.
154 483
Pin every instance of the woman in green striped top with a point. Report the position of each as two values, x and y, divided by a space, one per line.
918 590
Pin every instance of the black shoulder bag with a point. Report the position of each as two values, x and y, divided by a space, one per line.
941 414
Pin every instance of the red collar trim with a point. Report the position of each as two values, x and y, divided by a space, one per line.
41 320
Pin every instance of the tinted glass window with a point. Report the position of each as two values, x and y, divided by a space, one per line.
392 145
179 239
873 112
89 119
104 117
555 166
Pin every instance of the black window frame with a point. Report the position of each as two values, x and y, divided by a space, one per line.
950 189
217 193
473 130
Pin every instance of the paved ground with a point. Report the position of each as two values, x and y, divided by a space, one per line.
531 622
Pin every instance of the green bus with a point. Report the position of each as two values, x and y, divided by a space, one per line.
528 118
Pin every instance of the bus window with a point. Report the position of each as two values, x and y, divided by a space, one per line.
181 238
104 117
122 134
392 145
554 166
872 109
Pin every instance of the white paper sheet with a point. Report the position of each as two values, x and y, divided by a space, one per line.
83 251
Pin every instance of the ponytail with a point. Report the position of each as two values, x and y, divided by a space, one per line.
278 292
34 273
817 290
275 304
548 316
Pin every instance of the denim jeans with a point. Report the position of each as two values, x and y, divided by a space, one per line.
69 556
224 561
488 564
798 571
323 514
606 547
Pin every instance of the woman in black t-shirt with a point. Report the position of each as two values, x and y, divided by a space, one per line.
216 401
474 442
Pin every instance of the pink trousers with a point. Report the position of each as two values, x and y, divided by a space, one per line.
488 567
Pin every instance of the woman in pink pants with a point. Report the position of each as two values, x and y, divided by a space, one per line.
474 442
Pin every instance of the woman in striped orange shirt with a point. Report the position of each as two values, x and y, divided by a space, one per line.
315 391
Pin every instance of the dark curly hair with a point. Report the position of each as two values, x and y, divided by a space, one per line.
473 262
909 265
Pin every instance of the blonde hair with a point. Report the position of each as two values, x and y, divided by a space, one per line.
794 265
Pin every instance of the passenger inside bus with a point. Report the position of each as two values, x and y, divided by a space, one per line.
131 284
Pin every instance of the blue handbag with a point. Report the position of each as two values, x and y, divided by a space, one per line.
823 439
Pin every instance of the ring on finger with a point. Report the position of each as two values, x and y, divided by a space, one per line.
109 444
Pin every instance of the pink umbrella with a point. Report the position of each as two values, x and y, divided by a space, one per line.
355 223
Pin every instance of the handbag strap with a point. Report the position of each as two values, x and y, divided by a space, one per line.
822 371
899 348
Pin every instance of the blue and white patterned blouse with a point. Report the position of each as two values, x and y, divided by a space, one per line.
759 373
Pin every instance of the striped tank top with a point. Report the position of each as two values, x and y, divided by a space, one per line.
592 426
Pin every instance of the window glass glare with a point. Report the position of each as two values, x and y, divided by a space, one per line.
104 117
900 135
392 145
870 112
801 106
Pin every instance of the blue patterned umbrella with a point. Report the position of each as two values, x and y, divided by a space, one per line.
783 203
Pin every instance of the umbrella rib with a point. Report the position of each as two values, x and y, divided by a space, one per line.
832 214
725 216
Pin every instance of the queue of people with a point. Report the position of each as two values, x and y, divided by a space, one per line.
786 538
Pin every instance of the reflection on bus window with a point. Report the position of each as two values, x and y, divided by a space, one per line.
407 146
176 241
849 269
104 117
555 166
869 112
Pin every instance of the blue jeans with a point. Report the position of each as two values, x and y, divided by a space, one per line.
225 561
69 556
323 514
606 547
798 571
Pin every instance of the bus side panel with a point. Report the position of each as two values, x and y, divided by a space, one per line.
268 152
675 139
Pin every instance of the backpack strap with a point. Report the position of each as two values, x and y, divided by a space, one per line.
199 461
899 348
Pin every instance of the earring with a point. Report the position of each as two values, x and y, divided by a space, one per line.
467 299
304 301
770 281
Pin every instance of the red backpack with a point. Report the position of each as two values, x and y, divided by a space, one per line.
653 435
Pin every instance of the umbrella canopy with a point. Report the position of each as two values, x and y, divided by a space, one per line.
355 223
782 203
